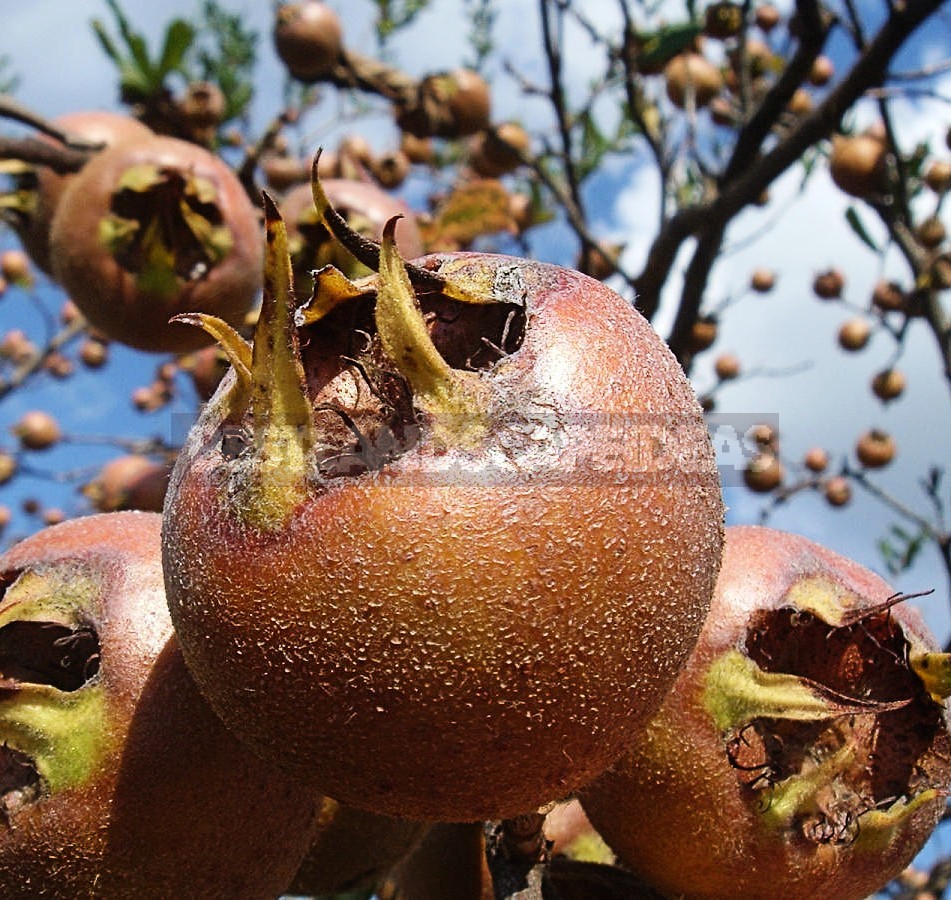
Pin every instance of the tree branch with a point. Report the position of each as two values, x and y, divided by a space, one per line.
869 70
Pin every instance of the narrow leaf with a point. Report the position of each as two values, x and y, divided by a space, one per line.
855 223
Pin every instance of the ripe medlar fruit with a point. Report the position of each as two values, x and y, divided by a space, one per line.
117 778
153 227
804 749
468 509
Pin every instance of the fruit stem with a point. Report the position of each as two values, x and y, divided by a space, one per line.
456 400
282 424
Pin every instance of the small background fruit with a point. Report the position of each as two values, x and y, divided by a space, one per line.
308 38
154 227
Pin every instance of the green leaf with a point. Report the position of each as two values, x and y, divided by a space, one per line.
855 223
660 46
106 42
179 36
900 550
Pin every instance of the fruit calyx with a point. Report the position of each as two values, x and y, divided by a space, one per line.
832 725
18 203
165 227
52 702
347 382
457 400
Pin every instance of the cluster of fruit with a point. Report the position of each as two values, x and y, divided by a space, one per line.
445 545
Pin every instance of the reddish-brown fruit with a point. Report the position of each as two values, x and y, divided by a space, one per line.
5 517
145 399
822 71
941 278
801 751
691 74
765 436
931 233
69 313
58 365
764 473
378 516
354 156
703 333
53 516
888 384
45 187
499 151
203 108
800 104
308 38
938 176
838 491
600 262
206 368
857 164
759 60
15 267
816 459
854 334
390 169
727 367
37 430
155 227
767 17
522 211
450 104
469 101
8 466
119 780
93 353
17 347
763 280
129 482
888 296
828 285
875 448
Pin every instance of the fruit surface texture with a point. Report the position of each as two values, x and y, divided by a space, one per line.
483 531
804 749
118 779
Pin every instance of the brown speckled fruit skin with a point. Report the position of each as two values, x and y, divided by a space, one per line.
106 293
673 809
98 127
179 808
443 639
